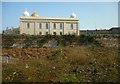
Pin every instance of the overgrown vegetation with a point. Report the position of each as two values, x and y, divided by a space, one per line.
74 59
62 64
39 41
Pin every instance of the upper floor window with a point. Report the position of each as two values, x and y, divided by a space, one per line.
47 26
40 25
71 26
54 26
61 25
28 25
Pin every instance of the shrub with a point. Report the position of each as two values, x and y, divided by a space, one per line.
88 40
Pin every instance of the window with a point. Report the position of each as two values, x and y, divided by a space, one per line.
40 25
60 33
40 33
47 26
54 33
28 25
46 33
54 26
71 26
61 25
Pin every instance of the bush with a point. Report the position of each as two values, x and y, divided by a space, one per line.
88 40
39 41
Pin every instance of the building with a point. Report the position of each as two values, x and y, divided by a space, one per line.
38 25
13 31
112 32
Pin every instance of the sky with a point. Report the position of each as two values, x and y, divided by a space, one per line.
92 15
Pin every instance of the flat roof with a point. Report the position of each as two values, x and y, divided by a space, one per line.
47 18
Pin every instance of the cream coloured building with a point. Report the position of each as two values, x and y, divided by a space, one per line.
38 25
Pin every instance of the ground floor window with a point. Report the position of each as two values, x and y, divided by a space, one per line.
60 33
40 33
46 33
54 33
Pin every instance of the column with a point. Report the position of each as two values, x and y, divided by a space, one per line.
78 27
21 30
64 28
35 28
50 29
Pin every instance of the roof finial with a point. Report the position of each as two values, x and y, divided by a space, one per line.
73 15
26 13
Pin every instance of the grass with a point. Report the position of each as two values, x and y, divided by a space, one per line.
63 64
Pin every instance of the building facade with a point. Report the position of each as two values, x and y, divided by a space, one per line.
38 25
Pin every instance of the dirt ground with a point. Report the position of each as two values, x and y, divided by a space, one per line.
61 64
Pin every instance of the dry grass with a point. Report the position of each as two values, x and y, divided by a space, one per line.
64 64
